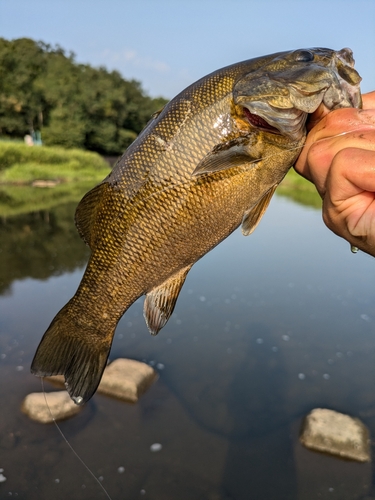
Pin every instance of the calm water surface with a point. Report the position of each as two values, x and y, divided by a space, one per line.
266 328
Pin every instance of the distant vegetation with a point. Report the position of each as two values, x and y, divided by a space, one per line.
43 89
71 173
300 190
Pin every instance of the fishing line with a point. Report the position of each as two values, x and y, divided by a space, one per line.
70 446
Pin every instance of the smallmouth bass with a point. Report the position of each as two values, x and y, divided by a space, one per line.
207 163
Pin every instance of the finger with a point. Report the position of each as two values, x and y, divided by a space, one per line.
334 123
318 158
313 119
347 116
349 203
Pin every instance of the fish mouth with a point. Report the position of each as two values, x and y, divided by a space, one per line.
259 122
278 97
289 122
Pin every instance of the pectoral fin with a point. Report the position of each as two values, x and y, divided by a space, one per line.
160 302
235 153
252 217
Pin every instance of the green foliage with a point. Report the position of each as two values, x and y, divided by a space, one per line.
73 105
21 99
21 164
300 190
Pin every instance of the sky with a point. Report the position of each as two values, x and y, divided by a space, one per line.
169 44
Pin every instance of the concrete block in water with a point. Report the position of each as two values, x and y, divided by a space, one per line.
124 379
334 433
59 407
127 379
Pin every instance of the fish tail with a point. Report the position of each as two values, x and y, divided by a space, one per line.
74 350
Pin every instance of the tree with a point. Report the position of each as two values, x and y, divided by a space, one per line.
21 102
73 105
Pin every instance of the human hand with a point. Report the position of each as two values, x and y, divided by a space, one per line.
339 158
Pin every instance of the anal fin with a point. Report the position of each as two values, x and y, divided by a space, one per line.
253 216
161 300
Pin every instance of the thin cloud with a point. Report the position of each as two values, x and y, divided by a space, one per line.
131 57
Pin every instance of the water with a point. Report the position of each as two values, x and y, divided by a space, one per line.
266 328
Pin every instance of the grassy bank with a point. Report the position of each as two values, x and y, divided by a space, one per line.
67 175
21 164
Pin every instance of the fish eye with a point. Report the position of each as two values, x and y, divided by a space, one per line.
304 56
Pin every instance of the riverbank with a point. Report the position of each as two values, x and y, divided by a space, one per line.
24 165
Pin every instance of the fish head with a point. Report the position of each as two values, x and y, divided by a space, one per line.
278 96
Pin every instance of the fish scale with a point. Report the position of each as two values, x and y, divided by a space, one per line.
209 161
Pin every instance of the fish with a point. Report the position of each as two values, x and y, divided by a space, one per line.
205 164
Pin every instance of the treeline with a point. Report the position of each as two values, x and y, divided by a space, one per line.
43 90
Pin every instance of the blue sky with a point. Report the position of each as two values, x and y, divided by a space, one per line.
168 44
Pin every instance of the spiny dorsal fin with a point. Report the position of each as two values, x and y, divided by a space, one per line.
235 153
159 302
86 213
252 217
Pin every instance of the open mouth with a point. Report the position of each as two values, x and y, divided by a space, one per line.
259 122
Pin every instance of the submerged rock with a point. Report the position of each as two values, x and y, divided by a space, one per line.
336 434
124 379
127 379
59 407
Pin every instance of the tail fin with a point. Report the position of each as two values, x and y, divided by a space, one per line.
77 352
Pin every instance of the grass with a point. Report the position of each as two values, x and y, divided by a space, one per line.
21 164
74 172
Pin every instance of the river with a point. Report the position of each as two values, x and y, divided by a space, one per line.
266 328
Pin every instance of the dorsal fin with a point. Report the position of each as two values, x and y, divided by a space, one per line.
252 217
86 213
160 301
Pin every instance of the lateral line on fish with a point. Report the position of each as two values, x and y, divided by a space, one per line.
69 445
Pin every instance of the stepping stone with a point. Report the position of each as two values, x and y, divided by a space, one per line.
60 406
125 379
337 434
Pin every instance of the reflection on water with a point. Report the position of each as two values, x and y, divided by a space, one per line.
39 245
266 328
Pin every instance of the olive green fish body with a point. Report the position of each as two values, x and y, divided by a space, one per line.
208 162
